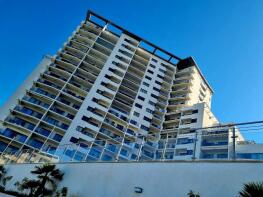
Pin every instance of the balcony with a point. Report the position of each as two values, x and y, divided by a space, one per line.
69 101
75 92
57 75
116 138
40 91
98 57
35 143
133 78
89 27
80 38
52 121
214 143
183 82
79 46
66 57
63 65
28 112
103 47
34 103
140 59
140 68
13 135
90 31
110 37
128 84
89 68
43 131
90 61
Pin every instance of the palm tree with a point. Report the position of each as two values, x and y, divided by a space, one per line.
3 178
252 189
62 193
28 184
48 176
192 194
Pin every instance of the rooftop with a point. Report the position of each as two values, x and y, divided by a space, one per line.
171 58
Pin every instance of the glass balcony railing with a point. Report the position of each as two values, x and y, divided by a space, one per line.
13 135
220 143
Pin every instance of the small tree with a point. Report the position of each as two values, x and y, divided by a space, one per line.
48 176
252 189
192 194
46 182
28 184
3 178
62 193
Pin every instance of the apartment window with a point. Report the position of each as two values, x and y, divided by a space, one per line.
130 41
95 100
138 105
149 110
147 119
99 91
141 98
137 146
185 141
143 91
145 128
73 140
195 111
193 120
79 128
90 109
125 53
124 152
151 103
149 71
153 66
154 96
133 156
161 77
189 152
162 70
157 82
154 60
146 84
85 118
156 89
147 77
136 114
133 122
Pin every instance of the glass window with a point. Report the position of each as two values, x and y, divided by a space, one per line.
136 114
145 128
149 71
138 105
147 77
147 119
149 111
141 98
143 91
157 82
146 84
151 103
153 66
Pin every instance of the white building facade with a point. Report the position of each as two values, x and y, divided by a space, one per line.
111 96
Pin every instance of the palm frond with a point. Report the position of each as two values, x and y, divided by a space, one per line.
252 189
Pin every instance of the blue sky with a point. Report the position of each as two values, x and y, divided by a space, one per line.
224 37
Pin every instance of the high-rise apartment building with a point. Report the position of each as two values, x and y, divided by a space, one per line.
114 94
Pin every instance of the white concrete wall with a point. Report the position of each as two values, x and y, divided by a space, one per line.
169 179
